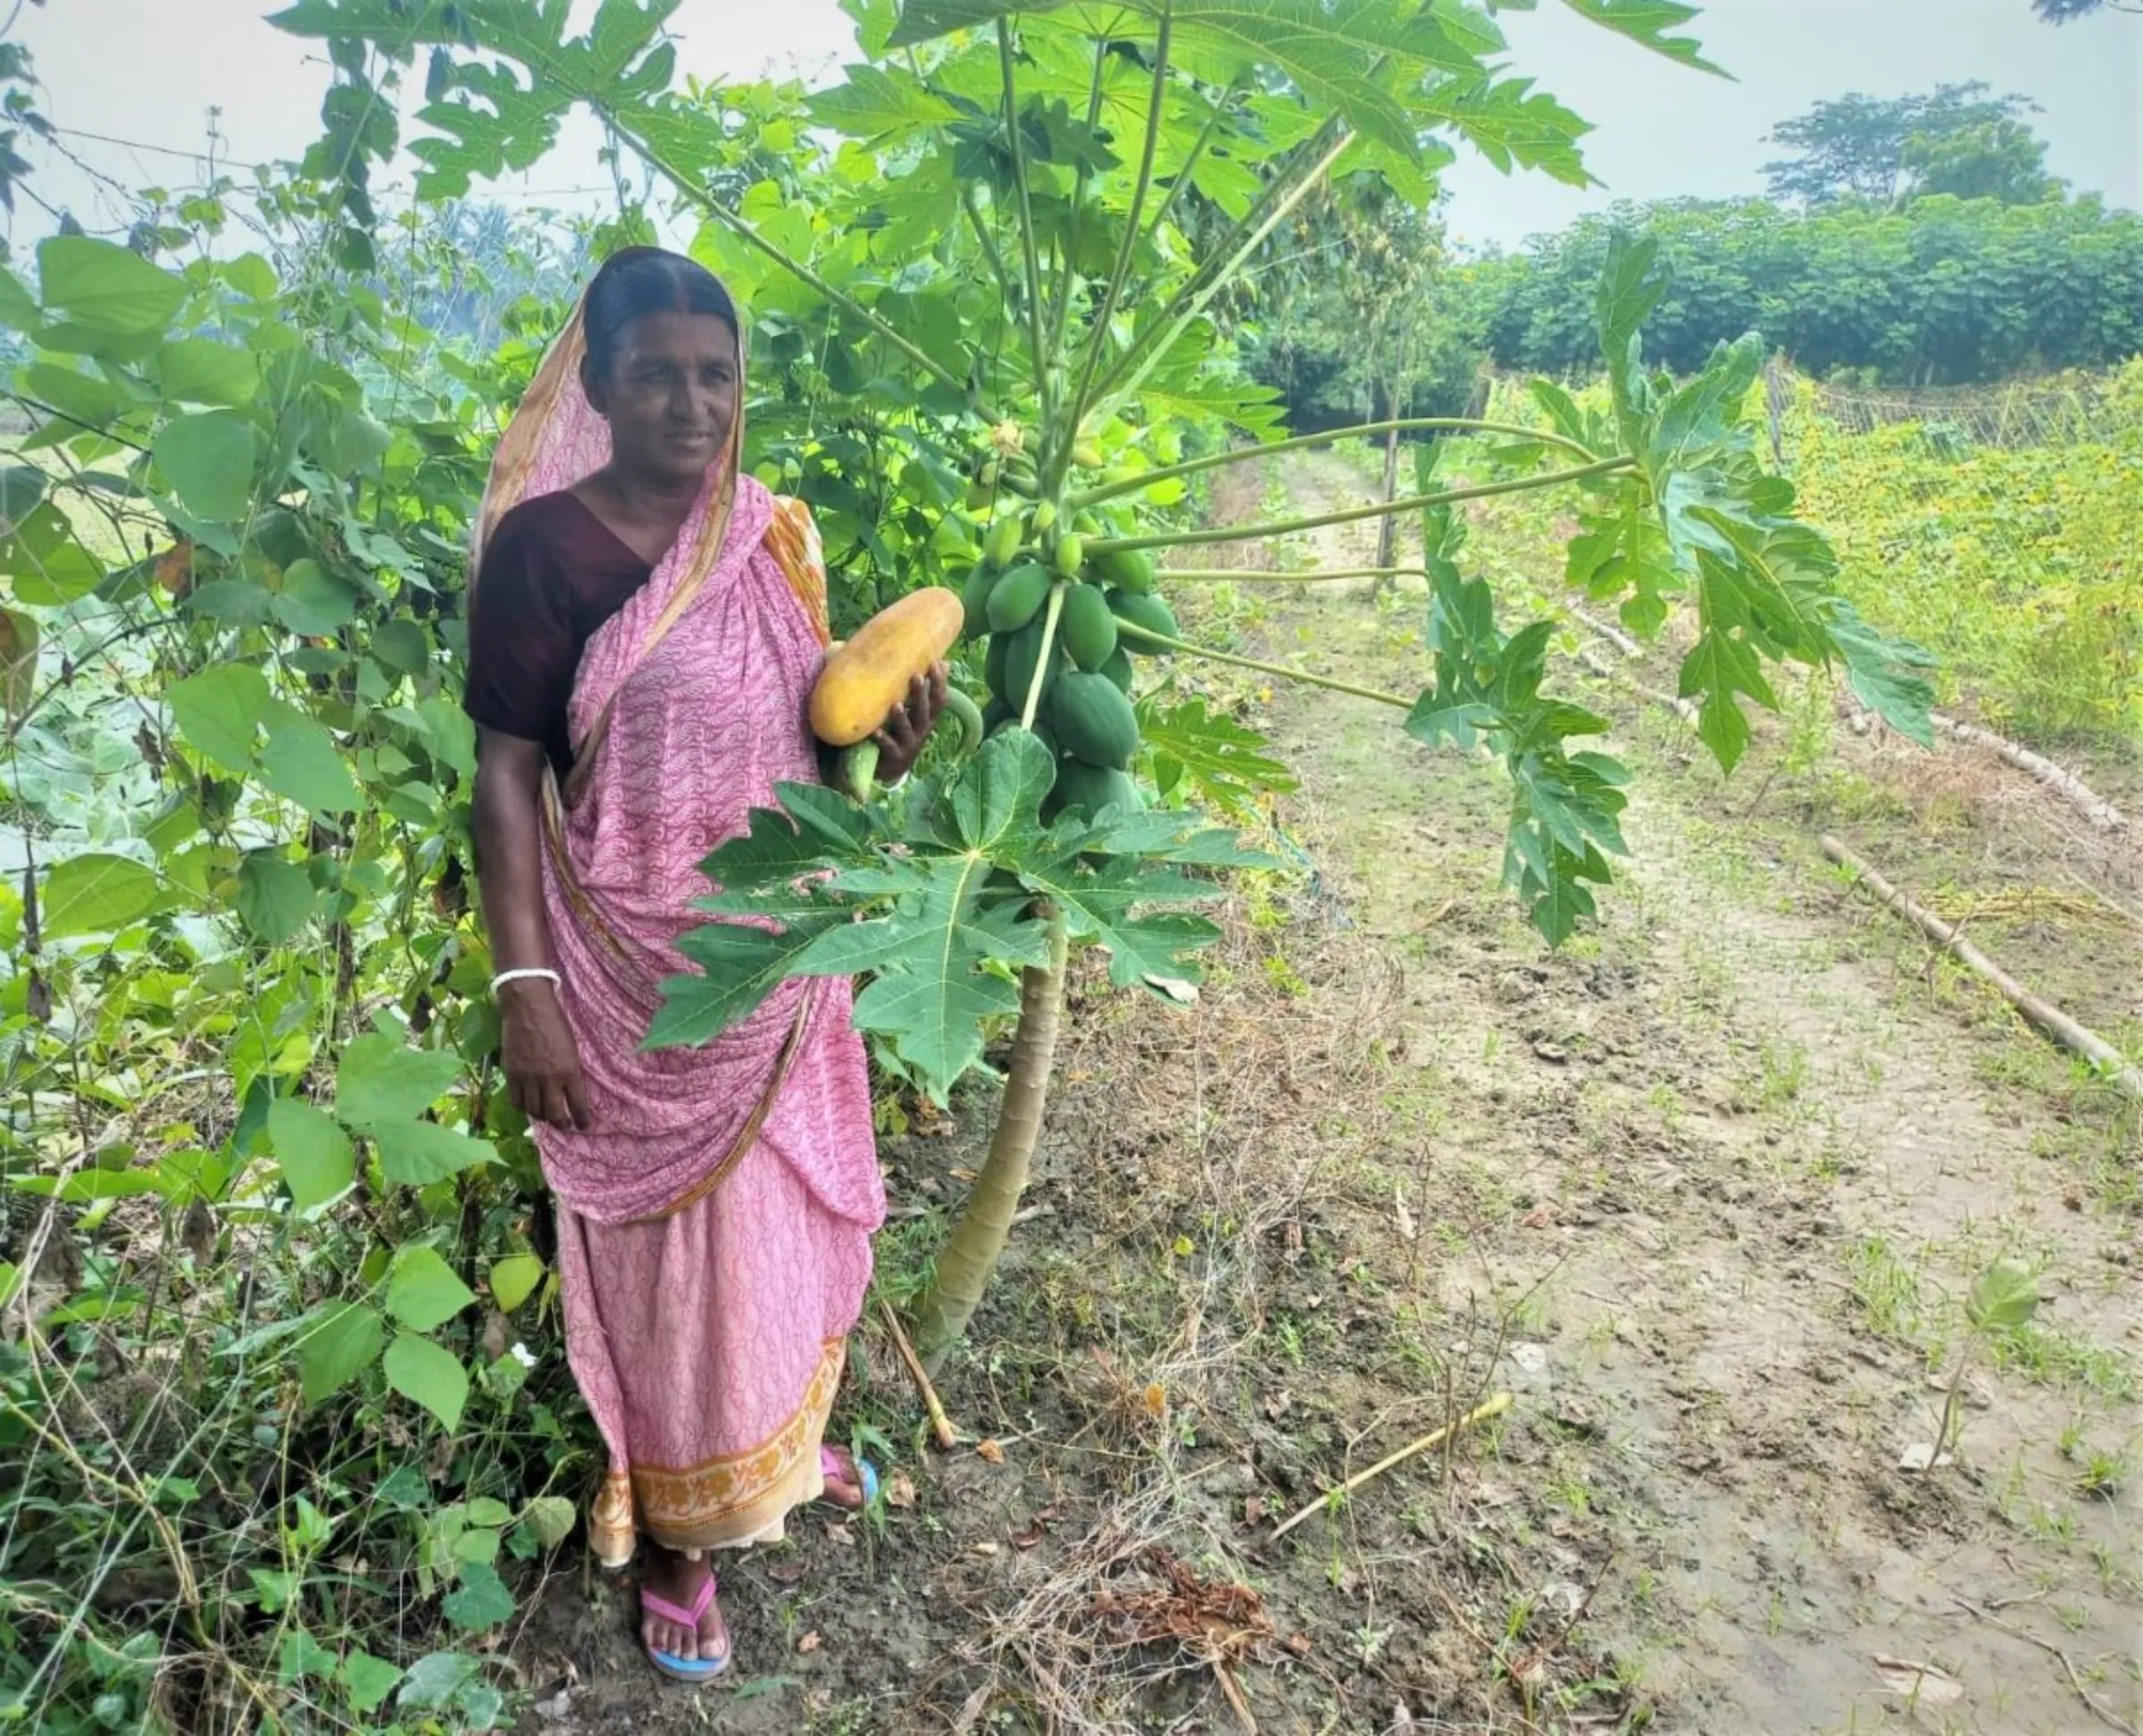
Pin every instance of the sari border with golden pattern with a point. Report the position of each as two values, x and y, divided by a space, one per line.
699 1507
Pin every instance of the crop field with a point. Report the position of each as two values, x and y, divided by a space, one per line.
1508 1067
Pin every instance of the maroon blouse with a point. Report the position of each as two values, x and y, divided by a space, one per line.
551 574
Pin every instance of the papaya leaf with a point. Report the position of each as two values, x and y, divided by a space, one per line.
1648 21
933 899
1886 673
1566 807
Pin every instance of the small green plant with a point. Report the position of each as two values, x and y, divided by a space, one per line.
2000 1304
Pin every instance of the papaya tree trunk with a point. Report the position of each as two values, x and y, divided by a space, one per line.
978 1241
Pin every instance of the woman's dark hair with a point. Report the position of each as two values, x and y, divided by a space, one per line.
637 280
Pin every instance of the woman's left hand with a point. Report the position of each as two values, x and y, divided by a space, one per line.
908 725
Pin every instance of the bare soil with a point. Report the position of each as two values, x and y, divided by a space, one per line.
1703 1191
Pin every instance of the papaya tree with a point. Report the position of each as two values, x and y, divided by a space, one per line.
998 238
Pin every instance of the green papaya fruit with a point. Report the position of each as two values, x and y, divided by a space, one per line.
1001 545
1118 668
1086 628
1085 790
1138 616
1127 569
1068 554
974 602
1093 720
1022 654
1018 597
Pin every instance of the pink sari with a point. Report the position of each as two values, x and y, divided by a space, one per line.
715 1221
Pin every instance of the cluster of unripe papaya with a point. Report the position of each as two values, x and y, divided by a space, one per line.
1037 585
1059 605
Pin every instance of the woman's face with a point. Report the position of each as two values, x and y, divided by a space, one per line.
670 395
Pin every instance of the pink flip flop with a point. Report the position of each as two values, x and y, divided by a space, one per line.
684 1669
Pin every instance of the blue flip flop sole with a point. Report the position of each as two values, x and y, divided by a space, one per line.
681 1669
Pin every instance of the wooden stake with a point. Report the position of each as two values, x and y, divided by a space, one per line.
941 1425
1495 1407
2078 1039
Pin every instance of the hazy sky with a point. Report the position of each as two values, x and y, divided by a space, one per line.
152 70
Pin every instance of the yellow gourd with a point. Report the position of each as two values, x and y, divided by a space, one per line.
864 677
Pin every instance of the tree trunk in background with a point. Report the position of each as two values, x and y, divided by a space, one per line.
1387 526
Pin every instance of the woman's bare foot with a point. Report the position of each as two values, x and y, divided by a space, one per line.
844 1481
671 1577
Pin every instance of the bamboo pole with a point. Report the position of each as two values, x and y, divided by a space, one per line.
2067 784
941 1425
2049 1019
1682 708
1495 1407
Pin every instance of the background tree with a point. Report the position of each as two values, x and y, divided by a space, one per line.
2063 12
1947 291
1856 146
1352 321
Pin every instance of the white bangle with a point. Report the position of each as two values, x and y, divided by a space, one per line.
527 975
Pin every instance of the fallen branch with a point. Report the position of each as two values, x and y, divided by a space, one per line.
2078 1039
1614 636
1495 1407
2067 784
2111 1720
941 1425
1682 708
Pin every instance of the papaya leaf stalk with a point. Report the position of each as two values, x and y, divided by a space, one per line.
1243 454
1283 671
1349 515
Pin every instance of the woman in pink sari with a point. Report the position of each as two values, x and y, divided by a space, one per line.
647 624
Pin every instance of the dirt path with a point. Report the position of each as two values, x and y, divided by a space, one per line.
1744 1170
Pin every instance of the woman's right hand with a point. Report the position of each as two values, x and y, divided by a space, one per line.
542 1061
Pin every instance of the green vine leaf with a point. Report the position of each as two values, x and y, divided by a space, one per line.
318 1162
379 1081
98 893
479 1598
104 291
423 1292
427 1375
339 1340
417 1154
300 761
207 459
275 896
219 713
